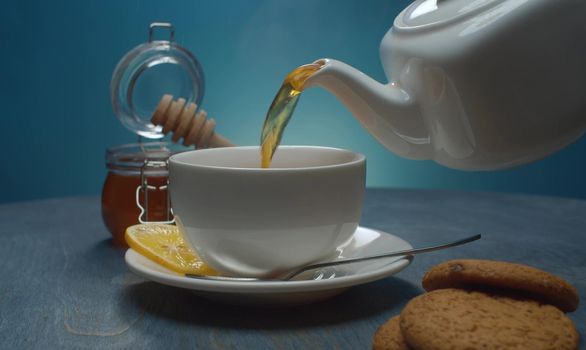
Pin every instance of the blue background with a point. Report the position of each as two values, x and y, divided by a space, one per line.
57 59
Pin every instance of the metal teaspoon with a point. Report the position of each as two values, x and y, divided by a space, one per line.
289 275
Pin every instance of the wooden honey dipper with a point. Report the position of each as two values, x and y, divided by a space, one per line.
194 128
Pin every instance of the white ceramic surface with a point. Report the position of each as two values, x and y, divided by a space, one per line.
364 242
248 221
473 84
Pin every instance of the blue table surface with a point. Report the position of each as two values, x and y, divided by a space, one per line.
63 284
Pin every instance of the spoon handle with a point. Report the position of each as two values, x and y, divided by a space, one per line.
385 255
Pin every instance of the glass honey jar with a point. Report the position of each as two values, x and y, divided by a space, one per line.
135 188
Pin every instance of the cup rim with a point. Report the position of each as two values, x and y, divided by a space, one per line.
357 159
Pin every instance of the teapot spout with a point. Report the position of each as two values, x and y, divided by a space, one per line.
389 112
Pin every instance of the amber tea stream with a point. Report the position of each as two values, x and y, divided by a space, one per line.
282 108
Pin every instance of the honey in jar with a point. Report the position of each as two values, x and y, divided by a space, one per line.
135 189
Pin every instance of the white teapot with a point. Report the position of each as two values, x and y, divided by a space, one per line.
474 84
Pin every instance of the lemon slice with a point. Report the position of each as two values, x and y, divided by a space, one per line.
165 245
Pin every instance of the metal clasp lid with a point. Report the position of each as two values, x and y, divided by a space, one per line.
153 166
149 71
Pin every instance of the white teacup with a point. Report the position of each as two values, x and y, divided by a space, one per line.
247 221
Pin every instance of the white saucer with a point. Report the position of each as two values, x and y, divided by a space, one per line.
329 281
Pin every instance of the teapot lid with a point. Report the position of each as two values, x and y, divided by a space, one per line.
424 13
149 71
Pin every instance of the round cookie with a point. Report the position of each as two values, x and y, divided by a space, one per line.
389 337
530 281
459 319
